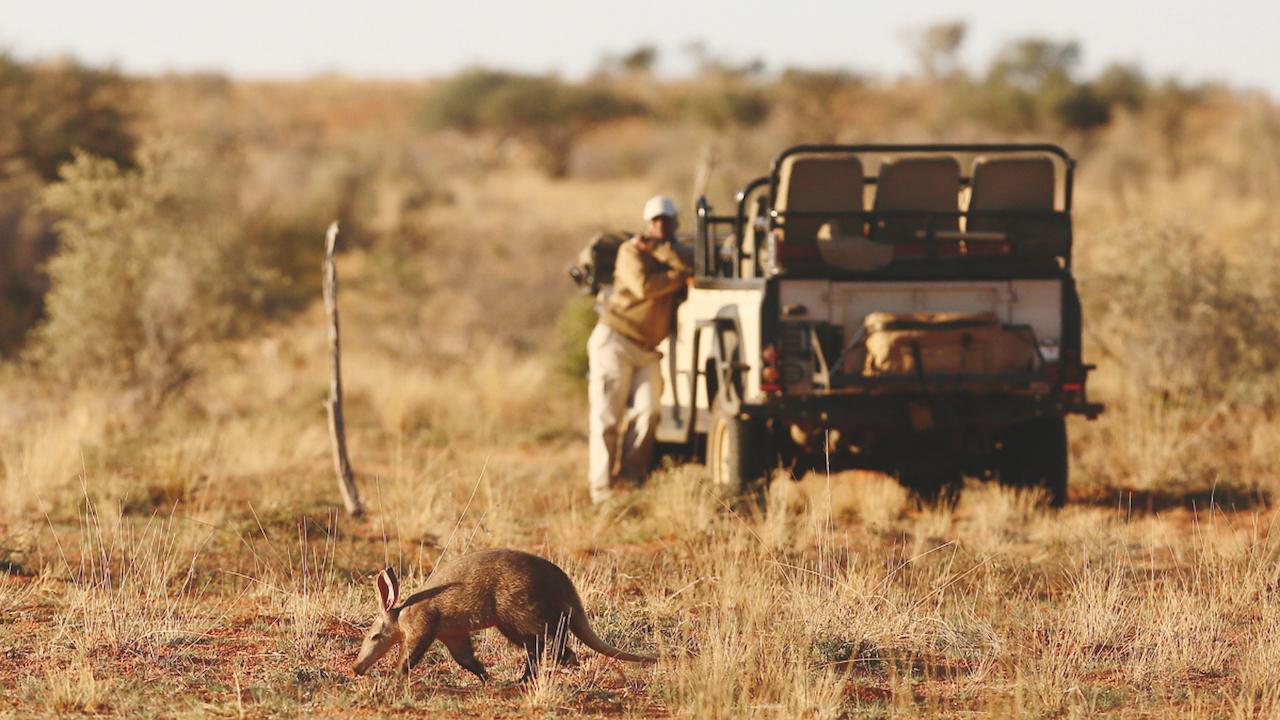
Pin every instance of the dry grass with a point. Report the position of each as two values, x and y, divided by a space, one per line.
190 559
841 600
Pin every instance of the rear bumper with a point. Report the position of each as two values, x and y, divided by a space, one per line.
915 411
1087 409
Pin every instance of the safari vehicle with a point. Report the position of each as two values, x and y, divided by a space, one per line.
903 308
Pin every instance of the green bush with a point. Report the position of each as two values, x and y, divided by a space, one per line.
815 102
458 102
999 106
727 105
1031 86
1032 63
26 240
154 266
46 111
640 60
573 327
1122 86
540 110
1074 106
52 109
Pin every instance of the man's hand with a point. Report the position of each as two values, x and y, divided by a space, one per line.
669 253
648 243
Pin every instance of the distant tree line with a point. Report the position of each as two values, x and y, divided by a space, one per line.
1032 85
72 173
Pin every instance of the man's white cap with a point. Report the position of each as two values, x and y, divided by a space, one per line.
658 206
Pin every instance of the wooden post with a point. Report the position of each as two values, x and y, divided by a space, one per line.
337 430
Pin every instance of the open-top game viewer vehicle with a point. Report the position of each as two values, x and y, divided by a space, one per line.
903 308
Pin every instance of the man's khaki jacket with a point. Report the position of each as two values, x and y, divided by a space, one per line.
645 289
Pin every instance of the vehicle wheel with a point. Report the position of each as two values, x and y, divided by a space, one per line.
932 482
737 453
1035 455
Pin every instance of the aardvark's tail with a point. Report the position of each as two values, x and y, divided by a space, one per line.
580 627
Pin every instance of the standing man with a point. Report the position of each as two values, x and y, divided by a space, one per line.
625 384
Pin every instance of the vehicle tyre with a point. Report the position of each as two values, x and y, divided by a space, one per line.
737 453
1035 455
932 482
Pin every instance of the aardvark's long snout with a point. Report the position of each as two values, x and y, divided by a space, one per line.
362 664
370 654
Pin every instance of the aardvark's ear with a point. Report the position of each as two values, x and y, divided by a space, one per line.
388 589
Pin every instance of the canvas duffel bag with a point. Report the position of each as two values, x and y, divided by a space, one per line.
930 344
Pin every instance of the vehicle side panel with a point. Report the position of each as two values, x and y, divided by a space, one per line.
739 308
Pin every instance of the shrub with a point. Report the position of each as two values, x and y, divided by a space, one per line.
937 48
456 103
1074 106
640 60
1188 353
1000 106
1122 85
727 105
1031 85
816 102
52 109
574 324
1180 319
152 267
26 240
48 110
540 110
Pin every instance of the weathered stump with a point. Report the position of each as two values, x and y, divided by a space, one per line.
337 429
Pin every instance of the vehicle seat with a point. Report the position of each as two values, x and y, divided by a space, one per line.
814 182
1008 184
1024 185
929 184
852 251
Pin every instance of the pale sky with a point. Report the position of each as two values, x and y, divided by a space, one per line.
1231 40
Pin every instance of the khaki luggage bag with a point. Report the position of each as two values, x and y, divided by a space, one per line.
922 345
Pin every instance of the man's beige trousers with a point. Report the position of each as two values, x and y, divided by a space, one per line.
624 388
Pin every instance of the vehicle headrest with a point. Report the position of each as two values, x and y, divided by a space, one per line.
919 183
1017 183
817 181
